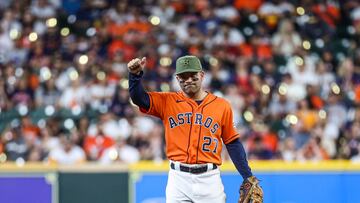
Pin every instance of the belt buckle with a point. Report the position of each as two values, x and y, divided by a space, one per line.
197 169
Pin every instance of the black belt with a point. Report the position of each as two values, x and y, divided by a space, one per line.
193 170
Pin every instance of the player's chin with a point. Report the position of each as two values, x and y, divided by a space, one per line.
187 91
190 91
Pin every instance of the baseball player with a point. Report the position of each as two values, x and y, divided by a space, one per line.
197 124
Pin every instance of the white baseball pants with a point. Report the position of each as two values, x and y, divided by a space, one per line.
195 188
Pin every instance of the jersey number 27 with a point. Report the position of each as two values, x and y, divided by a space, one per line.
207 144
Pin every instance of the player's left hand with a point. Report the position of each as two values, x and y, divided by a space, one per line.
136 65
251 191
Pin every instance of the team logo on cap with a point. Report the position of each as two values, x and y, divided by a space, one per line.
186 62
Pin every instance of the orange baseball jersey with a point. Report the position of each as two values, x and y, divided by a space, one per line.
193 133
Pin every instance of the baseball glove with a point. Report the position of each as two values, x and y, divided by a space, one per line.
250 191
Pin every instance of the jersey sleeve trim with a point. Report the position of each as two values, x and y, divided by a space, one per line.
232 138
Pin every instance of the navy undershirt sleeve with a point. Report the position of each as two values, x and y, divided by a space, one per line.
238 157
137 92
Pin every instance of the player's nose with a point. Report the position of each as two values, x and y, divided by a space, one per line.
188 81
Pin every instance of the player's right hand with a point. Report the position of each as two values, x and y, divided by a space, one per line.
136 65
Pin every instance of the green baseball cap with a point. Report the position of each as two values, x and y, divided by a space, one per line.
188 64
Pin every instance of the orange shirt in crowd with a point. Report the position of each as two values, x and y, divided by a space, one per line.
119 30
357 93
250 5
97 143
317 102
308 118
118 45
328 13
270 140
262 51
178 6
31 132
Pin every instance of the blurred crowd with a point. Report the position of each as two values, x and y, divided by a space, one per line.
290 69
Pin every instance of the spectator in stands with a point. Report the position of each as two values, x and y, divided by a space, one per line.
286 41
67 152
288 149
259 150
120 152
310 151
75 95
63 67
95 146
47 94
15 145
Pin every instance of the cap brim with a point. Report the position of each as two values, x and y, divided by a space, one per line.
187 71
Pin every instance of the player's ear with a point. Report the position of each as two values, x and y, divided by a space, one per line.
177 78
202 74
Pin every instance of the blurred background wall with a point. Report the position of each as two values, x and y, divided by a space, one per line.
145 182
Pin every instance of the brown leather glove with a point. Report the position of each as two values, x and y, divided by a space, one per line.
250 191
